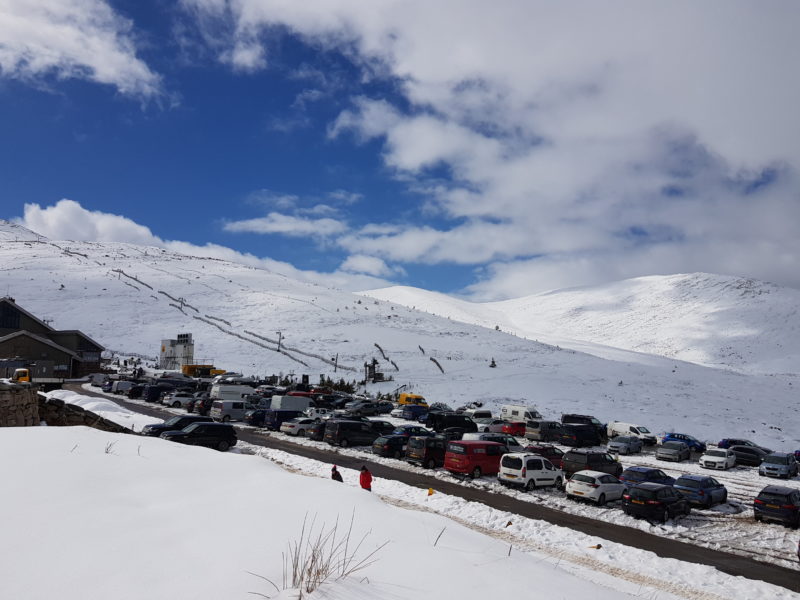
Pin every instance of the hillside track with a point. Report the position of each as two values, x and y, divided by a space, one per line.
731 564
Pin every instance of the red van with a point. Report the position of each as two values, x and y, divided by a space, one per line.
474 458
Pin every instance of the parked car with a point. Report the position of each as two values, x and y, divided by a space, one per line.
177 399
384 407
674 451
473 458
426 451
616 428
551 453
409 430
174 424
515 428
778 503
625 444
489 424
701 489
778 464
748 455
728 442
349 433
694 444
528 471
579 435
364 408
439 421
317 413
397 413
382 427
594 485
718 458
655 501
316 431
274 418
229 410
575 419
412 412
219 436
390 446
544 431
297 426
582 460
254 417
634 476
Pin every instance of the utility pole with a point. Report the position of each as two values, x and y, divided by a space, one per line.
279 340
335 362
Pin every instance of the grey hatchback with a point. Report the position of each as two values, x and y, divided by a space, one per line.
677 451
778 464
625 444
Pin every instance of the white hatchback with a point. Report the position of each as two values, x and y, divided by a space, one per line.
298 426
718 458
594 485
529 471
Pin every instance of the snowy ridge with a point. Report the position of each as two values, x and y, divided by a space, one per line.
713 320
235 313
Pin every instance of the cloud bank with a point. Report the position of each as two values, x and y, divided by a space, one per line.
581 142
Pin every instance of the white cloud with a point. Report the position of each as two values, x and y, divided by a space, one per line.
68 220
370 265
287 225
72 39
580 141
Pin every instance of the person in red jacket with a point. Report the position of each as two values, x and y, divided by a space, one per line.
365 479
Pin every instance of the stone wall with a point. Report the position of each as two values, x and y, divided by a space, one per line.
57 413
19 406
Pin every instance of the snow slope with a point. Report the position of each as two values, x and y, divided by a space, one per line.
106 516
713 320
130 297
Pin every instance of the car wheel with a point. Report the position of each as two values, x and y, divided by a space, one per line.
344 443
398 454
601 500
476 473
530 486
226 419
429 464
176 404
223 446
664 516
301 433
709 501
559 483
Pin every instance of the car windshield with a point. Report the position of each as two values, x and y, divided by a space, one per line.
191 427
416 442
640 493
776 460
773 497
172 421
643 429
622 440
721 453
512 462
595 421
673 446
635 475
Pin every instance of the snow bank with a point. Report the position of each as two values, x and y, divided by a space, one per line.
105 408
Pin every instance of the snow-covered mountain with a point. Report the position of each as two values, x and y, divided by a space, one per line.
130 297
713 320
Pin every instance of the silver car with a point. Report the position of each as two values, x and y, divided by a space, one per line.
676 451
625 444
778 464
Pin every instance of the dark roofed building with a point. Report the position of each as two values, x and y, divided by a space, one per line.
27 339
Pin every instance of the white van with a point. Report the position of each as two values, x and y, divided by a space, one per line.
478 413
229 410
528 471
616 428
291 402
221 391
519 412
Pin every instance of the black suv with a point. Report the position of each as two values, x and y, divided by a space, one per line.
211 435
655 502
574 434
350 433
174 424
778 503
439 421
586 420
579 460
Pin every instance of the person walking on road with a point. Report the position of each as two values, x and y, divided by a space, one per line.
335 475
365 479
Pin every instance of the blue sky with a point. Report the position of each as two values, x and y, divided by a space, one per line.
519 148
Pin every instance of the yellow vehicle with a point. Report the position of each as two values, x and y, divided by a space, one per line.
412 399
201 370
21 375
